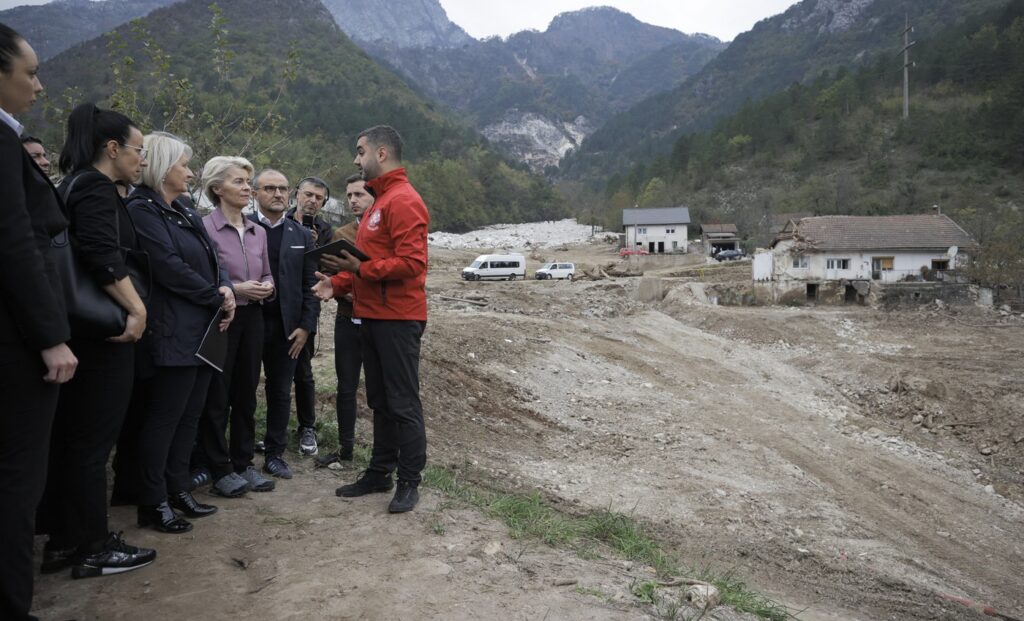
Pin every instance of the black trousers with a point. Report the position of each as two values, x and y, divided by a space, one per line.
172 402
127 471
232 398
348 361
305 388
90 411
25 422
278 372
391 361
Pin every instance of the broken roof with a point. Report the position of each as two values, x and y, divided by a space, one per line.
876 232
661 215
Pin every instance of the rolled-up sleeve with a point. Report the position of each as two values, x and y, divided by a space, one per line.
94 219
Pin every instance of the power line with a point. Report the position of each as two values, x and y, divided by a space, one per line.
907 44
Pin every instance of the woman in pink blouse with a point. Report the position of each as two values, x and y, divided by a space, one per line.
242 250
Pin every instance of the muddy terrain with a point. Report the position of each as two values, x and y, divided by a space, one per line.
849 463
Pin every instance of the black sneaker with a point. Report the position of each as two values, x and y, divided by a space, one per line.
367 483
406 497
275 466
116 557
56 559
342 454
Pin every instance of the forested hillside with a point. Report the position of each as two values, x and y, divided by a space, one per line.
812 36
233 80
839 145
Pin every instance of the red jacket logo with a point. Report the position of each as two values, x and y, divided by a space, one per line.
374 222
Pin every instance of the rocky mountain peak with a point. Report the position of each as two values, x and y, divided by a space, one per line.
831 16
400 24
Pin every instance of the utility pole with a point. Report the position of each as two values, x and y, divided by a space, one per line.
907 44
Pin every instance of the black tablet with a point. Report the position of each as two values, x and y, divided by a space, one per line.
335 248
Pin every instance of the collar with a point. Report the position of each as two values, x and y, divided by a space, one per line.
267 221
220 222
12 122
385 182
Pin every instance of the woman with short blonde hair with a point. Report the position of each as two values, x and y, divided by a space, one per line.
245 255
187 293
165 150
215 174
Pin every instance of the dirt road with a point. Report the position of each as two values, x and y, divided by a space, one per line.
853 463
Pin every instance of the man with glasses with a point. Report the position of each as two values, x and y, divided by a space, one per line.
311 195
290 318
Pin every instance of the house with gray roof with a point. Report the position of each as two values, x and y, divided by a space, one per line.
656 231
854 252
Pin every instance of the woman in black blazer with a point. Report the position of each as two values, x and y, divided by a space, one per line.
102 147
34 356
188 289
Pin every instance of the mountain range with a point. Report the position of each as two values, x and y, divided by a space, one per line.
539 94
536 95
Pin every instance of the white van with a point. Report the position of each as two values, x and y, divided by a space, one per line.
503 266
556 270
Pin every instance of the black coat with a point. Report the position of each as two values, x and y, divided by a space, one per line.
32 311
100 224
295 277
186 276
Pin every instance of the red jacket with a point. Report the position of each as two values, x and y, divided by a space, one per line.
393 233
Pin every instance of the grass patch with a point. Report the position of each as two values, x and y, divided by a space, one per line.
530 516
592 591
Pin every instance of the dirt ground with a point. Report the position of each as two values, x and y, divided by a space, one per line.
849 462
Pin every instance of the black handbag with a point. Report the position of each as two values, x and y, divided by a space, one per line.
92 313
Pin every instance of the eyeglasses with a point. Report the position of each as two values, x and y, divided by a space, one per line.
143 152
274 189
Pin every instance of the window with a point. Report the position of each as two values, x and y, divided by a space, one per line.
641 230
837 264
801 262
670 231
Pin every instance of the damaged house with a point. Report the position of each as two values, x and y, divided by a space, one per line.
841 258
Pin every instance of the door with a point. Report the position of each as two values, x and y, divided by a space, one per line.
650 247
661 247
879 265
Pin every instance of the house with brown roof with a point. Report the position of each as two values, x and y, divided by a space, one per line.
847 254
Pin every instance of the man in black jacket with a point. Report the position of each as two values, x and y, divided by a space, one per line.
290 318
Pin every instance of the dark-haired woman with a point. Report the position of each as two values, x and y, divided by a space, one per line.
34 356
102 147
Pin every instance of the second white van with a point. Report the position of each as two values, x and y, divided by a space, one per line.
556 270
497 266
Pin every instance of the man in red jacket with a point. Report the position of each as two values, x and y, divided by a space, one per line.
389 296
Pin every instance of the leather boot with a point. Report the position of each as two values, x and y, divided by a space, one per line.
162 518
187 504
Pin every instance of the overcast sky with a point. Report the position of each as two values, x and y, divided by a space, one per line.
722 18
